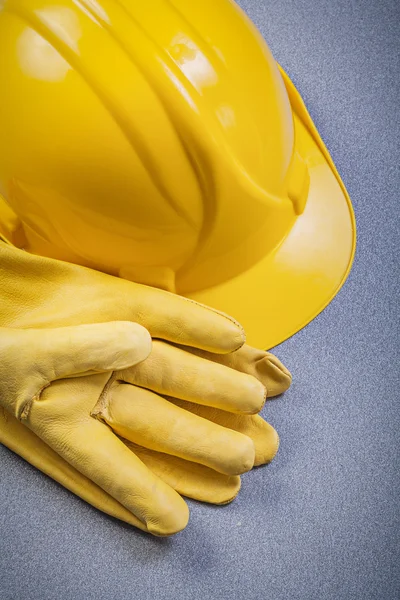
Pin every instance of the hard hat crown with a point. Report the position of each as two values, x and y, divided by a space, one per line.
157 141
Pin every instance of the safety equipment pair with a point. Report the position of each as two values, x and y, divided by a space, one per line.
156 142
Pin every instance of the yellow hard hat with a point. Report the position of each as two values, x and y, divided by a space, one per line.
160 141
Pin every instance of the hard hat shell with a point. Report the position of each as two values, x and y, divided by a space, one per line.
160 141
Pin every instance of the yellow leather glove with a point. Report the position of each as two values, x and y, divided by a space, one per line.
47 293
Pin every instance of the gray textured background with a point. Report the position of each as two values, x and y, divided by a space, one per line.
322 522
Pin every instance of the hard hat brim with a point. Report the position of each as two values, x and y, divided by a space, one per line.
283 292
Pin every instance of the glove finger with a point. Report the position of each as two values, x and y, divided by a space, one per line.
188 478
61 418
173 371
264 436
266 367
153 422
183 321
94 347
21 440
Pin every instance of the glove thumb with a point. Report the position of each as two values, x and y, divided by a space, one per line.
30 359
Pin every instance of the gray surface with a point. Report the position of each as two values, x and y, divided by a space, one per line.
322 522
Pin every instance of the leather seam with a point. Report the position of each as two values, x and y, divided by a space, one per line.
101 405
24 411
229 318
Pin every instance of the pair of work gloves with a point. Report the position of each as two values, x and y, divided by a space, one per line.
128 395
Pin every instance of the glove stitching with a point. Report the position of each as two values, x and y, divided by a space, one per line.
222 314
280 368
